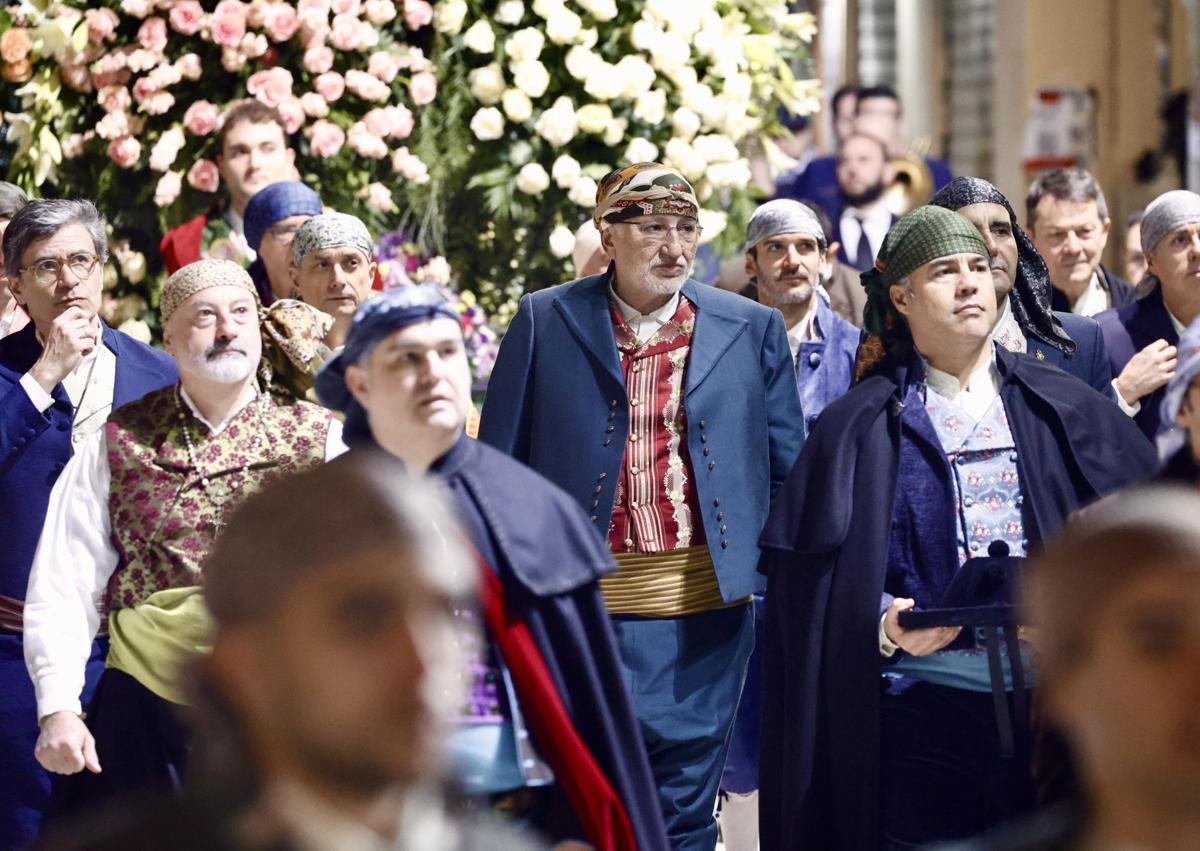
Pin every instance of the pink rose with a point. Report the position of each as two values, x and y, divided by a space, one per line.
109 79
187 17
383 65
281 21
346 7
124 151
327 138
314 36
393 121
189 66
114 99
367 87
76 77
203 175
330 86
292 113
345 33
15 45
378 121
201 118
272 86
228 23
422 87
158 103
101 23
152 34
417 14
314 105
319 7
318 60
143 87
366 143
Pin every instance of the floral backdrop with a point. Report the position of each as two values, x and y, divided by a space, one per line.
468 134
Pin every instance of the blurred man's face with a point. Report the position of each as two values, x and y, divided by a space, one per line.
1176 263
1135 260
880 117
1188 417
843 116
950 303
862 168
255 155
786 267
995 226
1129 705
276 253
5 295
1071 236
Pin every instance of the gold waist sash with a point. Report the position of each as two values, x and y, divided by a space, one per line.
669 584
154 640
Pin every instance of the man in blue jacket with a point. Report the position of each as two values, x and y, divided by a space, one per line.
59 378
669 411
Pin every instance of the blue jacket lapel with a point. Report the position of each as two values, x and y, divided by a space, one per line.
714 334
585 309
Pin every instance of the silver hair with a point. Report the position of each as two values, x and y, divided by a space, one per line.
39 220
12 198
1064 184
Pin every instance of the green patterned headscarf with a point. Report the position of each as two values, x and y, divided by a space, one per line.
919 237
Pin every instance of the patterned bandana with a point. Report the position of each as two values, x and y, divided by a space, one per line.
293 335
1165 213
921 236
331 230
199 276
643 189
275 203
783 215
1030 296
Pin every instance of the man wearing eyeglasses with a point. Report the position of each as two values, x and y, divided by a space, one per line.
273 216
59 378
669 410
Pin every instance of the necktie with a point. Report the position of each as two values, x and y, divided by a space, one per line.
864 259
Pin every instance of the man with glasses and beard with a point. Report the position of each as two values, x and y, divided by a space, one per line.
129 524
669 411
60 375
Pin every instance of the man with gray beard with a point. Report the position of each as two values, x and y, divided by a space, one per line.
129 525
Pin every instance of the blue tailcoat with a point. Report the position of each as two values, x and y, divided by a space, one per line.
825 367
1129 329
826 546
1089 363
34 448
557 401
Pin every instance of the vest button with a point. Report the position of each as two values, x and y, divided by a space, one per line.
1012 456
814 359
723 528
593 518
974 546
602 477
629 542
724 544
968 502
960 460
702 423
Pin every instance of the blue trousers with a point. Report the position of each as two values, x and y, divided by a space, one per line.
685 676
741 765
24 784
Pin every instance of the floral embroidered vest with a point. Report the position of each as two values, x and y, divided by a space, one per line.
163 519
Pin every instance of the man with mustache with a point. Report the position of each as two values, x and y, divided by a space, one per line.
668 410
1025 323
129 524
876 735
60 376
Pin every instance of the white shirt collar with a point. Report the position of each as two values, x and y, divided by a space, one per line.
236 223
805 331
1007 331
219 427
644 324
982 387
1092 300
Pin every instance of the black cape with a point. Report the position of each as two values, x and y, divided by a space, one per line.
825 546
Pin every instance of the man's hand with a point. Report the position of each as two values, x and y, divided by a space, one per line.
915 642
1147 371
72 338
66 746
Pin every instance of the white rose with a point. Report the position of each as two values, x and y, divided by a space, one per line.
601 10
589 37
133 267
729 175
713 222
697 98
563 26
614 134
594 117
636 74
685 122
715 149
524 45
531 77
670 52
510 12
565 171
448 16
641 151
532 179
436 271
562 241
137 329
487 124
545 8
167 189
737 86
682 77
314 105
685 158
646 35
651 106
517 105
380 12
558 124
583 192
582 63
480 37
487 83
163 154
232 60
603 84
520 154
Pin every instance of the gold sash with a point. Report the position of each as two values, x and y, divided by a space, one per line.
154 640
668 584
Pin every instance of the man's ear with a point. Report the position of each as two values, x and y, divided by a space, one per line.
901 297
751 268
606 241
357 384
14 287
831 253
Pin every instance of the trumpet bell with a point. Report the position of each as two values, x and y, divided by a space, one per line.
911 186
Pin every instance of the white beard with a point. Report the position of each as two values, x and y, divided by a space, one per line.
227 369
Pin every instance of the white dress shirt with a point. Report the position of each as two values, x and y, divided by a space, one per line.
644 325
804 331
876 221
1093 299
90 388
74 560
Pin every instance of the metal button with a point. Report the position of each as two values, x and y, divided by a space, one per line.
633 470
593 518
720 516
607 441
974 546
716 502
702 423
724 544
602 477
706 450
611 429
1012 456
723 528
595 503
712 464
598 489
814 359
633 403
968 502
633 504
633 438
612 403
629 542
1019 501
1025 543
704 438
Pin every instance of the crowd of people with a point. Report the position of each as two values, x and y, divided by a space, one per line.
890 538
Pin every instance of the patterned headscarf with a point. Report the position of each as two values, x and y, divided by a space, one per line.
1165 213
330 230
1030 296
199 276
643 189
919 237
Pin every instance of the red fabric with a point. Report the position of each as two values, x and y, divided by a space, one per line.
656 465
181 245
593 798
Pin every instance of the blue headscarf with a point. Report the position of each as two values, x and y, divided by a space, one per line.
275 203
376 319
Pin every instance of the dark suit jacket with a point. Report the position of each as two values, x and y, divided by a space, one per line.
1129 329
1120 292
1090 361
818 182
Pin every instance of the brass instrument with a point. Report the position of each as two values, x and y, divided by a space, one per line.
912 181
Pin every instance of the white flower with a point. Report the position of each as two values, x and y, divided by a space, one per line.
594 117
636 75
113 126
641 151
510 12
588 37
448 16
163 154
487 83
545 8
614 134
685 158
583 63
685 122
713 222
651 106
583 192
645 35
380 12
133 267
520 153
379 197
697 98
558 125
737 86
517 105
232 60
670 52
531 77
480 37
254 45
524 45
565 171
532 179
410 166
729 175
603 83
715 148
487 124
167 189
601 10
562 241
314 105
436 271
563 26
137 329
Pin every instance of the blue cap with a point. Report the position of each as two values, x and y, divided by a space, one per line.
275 203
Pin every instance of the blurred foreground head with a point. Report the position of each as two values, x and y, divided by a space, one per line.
336 651
1116 605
